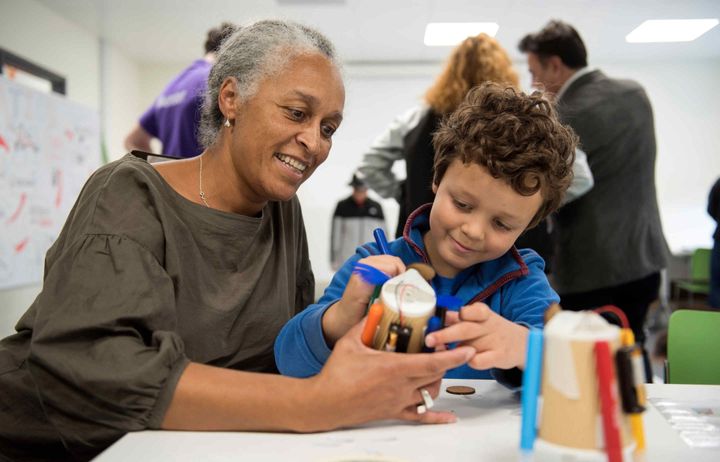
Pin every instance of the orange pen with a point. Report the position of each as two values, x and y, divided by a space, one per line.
373 319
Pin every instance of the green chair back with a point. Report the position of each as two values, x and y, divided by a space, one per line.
694 347
699 281
700 264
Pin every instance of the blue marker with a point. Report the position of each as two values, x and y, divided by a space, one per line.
530 392
381 241
433 324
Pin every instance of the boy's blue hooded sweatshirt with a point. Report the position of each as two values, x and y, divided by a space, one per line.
513 286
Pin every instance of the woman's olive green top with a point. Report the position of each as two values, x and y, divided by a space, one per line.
140 282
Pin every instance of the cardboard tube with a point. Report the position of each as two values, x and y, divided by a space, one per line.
571 414
410 297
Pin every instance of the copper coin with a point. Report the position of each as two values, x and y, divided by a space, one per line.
460 390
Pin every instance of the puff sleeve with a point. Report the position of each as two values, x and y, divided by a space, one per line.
104 356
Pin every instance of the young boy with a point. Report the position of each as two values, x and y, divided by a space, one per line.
502 164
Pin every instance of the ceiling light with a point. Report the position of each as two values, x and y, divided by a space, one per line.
441 34
670 30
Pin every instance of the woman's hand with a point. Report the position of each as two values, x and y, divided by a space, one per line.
350 309
359 384
356 385
499 342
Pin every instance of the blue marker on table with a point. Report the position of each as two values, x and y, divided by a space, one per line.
381 241
530 392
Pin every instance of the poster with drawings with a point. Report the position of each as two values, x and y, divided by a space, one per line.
48 148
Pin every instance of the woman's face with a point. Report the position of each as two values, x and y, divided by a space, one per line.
284 132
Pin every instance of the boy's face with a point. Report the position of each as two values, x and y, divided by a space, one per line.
474 218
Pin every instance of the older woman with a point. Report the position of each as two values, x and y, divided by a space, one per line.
169 282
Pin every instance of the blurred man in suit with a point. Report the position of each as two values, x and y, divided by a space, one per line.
611 246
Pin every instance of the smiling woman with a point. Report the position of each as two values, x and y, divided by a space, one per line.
164 293
266 127
278 136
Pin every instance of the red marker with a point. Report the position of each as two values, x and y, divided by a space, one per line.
608 401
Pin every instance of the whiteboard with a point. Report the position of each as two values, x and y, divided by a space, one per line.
48 148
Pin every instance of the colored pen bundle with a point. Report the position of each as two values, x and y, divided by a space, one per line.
404 311
406 302
586 365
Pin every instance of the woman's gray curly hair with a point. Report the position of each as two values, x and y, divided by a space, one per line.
251 54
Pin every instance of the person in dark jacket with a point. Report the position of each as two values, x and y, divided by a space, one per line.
354 220
611 246
714 211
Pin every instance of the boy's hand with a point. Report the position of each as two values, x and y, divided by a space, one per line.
350 309
499 342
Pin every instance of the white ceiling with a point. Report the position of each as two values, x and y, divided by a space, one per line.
379 31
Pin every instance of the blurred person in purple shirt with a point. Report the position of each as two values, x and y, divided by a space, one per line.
174 116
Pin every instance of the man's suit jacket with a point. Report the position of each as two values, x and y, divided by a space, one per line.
612 234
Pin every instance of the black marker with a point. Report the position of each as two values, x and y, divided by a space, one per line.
403 339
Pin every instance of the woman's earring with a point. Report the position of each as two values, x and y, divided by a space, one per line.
227 123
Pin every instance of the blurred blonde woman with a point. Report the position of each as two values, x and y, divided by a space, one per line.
476 60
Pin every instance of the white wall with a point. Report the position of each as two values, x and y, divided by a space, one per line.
33 32
120 87
154 78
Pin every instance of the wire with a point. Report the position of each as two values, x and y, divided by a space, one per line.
617 312
400 290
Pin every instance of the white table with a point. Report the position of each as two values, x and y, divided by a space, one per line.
488 429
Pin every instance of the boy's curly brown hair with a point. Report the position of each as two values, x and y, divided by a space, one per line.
516 136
